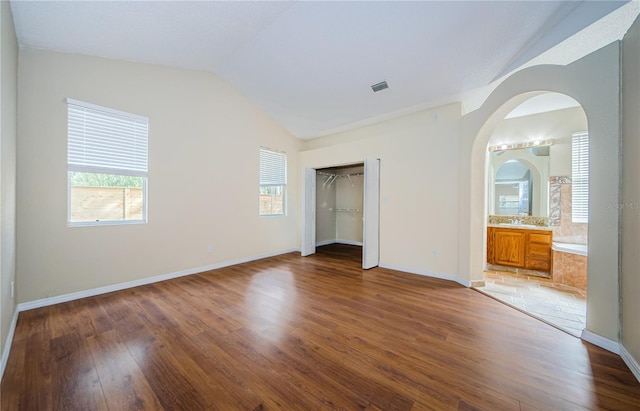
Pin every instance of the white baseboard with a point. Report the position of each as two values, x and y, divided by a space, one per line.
7 344
441 276
43 302
631 362
143 281
347 242
600 341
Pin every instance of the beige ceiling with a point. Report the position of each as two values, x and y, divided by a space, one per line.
310 64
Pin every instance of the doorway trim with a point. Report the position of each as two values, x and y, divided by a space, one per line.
371 212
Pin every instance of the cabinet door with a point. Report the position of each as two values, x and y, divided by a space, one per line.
490 248
508 248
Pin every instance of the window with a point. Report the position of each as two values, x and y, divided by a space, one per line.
580 177
107 155
273 182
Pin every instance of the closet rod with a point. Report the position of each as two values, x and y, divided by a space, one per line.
322 173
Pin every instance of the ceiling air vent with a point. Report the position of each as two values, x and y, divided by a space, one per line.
379 86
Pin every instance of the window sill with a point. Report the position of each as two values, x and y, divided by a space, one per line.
104 223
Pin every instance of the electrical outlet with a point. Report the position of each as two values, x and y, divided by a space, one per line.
434 252
210 248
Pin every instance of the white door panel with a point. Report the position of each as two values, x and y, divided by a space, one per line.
308 245
371 225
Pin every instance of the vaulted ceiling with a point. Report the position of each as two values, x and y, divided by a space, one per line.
310 64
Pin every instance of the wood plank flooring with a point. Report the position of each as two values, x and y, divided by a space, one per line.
313 333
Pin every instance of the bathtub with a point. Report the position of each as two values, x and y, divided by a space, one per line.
570 264
579 249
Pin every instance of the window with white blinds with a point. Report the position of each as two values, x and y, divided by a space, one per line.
580 177
107 164
273 182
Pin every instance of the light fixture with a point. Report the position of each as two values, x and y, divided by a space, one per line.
518 146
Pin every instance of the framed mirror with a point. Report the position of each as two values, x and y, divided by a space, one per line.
519 183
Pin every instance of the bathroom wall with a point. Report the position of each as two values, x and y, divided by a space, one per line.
558 125
560 215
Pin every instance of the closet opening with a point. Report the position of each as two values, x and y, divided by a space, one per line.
339 208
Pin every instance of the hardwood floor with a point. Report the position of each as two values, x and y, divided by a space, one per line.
313 333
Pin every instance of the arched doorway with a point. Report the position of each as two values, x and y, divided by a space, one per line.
593 82
542 137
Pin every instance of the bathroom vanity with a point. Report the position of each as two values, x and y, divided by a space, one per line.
527 247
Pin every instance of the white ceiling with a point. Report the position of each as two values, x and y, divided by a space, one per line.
310 64
542 104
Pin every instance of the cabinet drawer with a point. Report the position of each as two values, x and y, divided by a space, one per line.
539 251
540 238
539 264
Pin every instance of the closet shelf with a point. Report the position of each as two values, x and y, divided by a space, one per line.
349 210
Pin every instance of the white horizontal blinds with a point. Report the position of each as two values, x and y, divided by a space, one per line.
273 168
103 140
580 177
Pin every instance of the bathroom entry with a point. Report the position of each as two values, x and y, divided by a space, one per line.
341 205
548 136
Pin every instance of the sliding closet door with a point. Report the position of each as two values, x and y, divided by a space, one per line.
371 226
308 245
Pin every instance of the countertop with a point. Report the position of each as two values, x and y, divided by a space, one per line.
520 227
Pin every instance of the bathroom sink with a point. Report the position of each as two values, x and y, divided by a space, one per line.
512 225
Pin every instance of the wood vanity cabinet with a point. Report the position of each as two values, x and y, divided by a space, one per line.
520 248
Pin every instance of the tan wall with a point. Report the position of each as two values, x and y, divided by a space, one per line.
630 284
418 184
8 122
203 187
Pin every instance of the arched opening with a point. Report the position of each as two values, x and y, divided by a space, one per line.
593 82
536 246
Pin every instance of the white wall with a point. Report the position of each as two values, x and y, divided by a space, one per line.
204 139
557 125
630 282
8 123
593 81
418 184
349 194
325 218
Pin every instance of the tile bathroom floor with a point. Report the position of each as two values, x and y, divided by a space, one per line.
559 305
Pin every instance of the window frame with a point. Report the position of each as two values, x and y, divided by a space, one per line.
580 177
84 168
279 183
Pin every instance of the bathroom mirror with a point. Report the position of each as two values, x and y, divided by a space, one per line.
519 182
